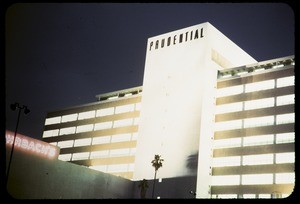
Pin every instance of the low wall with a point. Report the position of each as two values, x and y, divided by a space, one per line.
34 177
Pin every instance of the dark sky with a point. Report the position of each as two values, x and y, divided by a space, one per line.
62 55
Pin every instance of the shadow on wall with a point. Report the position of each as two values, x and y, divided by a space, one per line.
192 163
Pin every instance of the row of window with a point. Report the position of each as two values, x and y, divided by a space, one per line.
255 70
255 122
226 196
91 127
256 86
260 159
113 168
96 140
253 179
256 104
98 154
255 140
93 113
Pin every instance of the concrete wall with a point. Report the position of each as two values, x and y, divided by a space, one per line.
169 188
34 177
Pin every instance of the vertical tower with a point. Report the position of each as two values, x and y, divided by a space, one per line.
176 119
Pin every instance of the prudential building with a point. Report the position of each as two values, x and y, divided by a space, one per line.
222 122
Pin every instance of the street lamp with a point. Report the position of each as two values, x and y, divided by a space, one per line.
26 111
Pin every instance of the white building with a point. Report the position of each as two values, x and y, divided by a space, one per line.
212 112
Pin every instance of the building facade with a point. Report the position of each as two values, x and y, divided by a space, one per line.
99 135
219 119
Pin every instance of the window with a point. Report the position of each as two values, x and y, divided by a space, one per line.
226 143
285 118
248 195
134 136
121 137
226 161
68 118
66 131
85 128
285 100
227 196
101 140
258 140
82 142
281 178
54 120
138 106
65 144
259 121
264 195
285 138
260 103
228 125
258 159
124 108
103 125
80 156
131 167
119 152
50 133
286 81
99 154
232 90
259 86
105 112
136 121
254 179
231 107
86 115
225 180
122 123
64 157
285 158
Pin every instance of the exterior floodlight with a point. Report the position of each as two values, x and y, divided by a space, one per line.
26 110
14 106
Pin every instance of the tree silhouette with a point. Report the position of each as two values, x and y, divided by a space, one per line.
143 185
156 163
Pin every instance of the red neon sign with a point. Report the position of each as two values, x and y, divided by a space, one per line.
32 145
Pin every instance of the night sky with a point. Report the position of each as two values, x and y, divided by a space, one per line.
63 55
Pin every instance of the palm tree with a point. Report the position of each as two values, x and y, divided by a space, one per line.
143 185
156 163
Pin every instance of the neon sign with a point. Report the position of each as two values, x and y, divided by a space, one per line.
31 145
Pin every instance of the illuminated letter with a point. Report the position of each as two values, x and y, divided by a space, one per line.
196 35
31 146
24 143
38 147
201 35
18 141
9 139
156 44
169 41
52 152
174 40
45 149
191 38
151 45
162 43
180 38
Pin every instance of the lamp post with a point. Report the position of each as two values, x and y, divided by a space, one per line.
26 111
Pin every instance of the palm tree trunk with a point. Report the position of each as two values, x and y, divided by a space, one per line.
154 184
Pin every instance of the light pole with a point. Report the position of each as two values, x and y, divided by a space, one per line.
26 111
